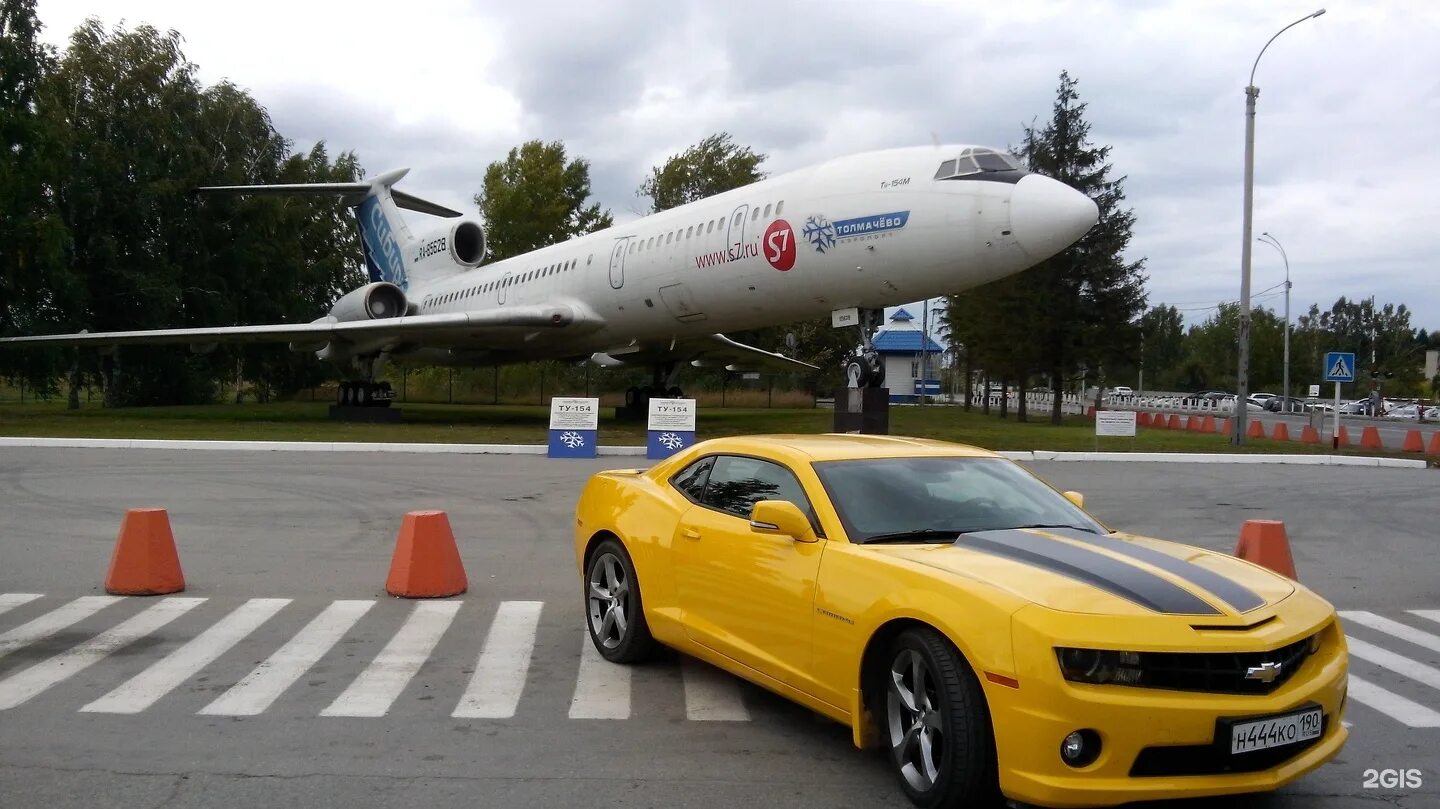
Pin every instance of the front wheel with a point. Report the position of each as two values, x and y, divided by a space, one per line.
613 609
937 726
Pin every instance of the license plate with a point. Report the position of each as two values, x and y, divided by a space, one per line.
1275 731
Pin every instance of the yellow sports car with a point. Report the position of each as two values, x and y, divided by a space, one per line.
973 622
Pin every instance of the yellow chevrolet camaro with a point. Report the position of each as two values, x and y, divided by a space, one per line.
968 619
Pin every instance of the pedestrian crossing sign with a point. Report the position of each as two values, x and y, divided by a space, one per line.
1339 366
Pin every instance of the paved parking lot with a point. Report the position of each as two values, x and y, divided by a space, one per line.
285 676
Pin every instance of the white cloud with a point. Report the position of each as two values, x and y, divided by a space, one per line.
1347 114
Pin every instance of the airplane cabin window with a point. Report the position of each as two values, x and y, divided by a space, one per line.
589 259
779 207
767 210
710 228
755 215
739 217
669 237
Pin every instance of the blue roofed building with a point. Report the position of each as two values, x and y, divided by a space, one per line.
902 346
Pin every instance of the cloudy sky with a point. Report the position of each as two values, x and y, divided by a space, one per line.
1346 146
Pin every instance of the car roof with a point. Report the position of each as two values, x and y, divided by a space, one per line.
844 446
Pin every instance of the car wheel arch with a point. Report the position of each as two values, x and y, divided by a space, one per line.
872 668
594 542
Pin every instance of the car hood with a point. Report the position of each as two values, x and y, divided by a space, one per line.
1113 574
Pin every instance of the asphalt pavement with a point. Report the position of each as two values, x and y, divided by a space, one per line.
285 676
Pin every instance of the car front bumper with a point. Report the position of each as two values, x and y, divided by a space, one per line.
1155 744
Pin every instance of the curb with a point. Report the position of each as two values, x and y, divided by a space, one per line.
618 451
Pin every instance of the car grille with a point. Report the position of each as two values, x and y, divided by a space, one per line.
1220 672
1211 759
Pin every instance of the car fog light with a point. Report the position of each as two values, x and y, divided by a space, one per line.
1080 748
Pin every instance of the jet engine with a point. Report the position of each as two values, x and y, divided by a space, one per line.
467 243
375 301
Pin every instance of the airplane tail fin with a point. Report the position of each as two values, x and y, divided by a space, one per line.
384 236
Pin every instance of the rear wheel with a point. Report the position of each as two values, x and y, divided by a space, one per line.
613 609
937 726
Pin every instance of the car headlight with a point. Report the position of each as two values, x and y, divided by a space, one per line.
1100 666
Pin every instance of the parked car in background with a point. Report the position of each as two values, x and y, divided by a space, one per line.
1263 397
1412 412
1121 392
1288 404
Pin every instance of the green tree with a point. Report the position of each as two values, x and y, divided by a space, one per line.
712 166
1162 334
1088 298
32 236
536 197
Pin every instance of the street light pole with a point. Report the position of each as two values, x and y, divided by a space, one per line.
1269 239
1242 370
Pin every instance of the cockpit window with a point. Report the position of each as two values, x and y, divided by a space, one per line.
974 161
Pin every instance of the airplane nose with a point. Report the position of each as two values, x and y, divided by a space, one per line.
1048 216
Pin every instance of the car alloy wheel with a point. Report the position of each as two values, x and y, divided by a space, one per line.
609 601
916 732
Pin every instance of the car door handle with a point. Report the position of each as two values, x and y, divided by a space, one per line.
690 533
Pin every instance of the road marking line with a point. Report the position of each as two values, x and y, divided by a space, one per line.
1399 664
499 679
25 684
1429 615
1395 628
53 621
711 694
145 688
602 691
9 601
380 684
262 686
1405 711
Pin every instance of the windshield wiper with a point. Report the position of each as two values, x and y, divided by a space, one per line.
1084 528
917 535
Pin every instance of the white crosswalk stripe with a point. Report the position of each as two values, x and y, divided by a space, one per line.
499 678
54 621
711 694
380 684
1400 664
1402 710
261 687
20 687
142 690
9 601
1394 645
602 690
1402 631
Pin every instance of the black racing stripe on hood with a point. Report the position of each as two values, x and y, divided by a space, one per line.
1096 569
1242 598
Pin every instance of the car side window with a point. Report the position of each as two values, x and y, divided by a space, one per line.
691 480
737 483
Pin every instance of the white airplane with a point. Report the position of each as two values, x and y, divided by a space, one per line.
847 237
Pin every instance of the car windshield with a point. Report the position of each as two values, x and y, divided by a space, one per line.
936 499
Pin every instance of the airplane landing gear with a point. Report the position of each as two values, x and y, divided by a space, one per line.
364 394
865 368
637 399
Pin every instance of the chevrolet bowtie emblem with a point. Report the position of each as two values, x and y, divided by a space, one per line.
1265 672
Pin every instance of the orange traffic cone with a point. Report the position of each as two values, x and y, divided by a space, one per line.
1370 438
1226 427
145 562
1344 436
1208 425
1308 435
1434 448
426 563
1264 543
1142 419
1282 431
1192 424
1257 429
1413 442
1174 421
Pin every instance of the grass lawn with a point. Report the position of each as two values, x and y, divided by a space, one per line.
489 424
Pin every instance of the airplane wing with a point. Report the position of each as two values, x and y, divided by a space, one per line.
709 351
328 329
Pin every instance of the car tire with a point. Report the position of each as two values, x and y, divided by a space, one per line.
939 743
614 611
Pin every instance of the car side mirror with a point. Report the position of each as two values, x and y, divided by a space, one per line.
1076 498
781 518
